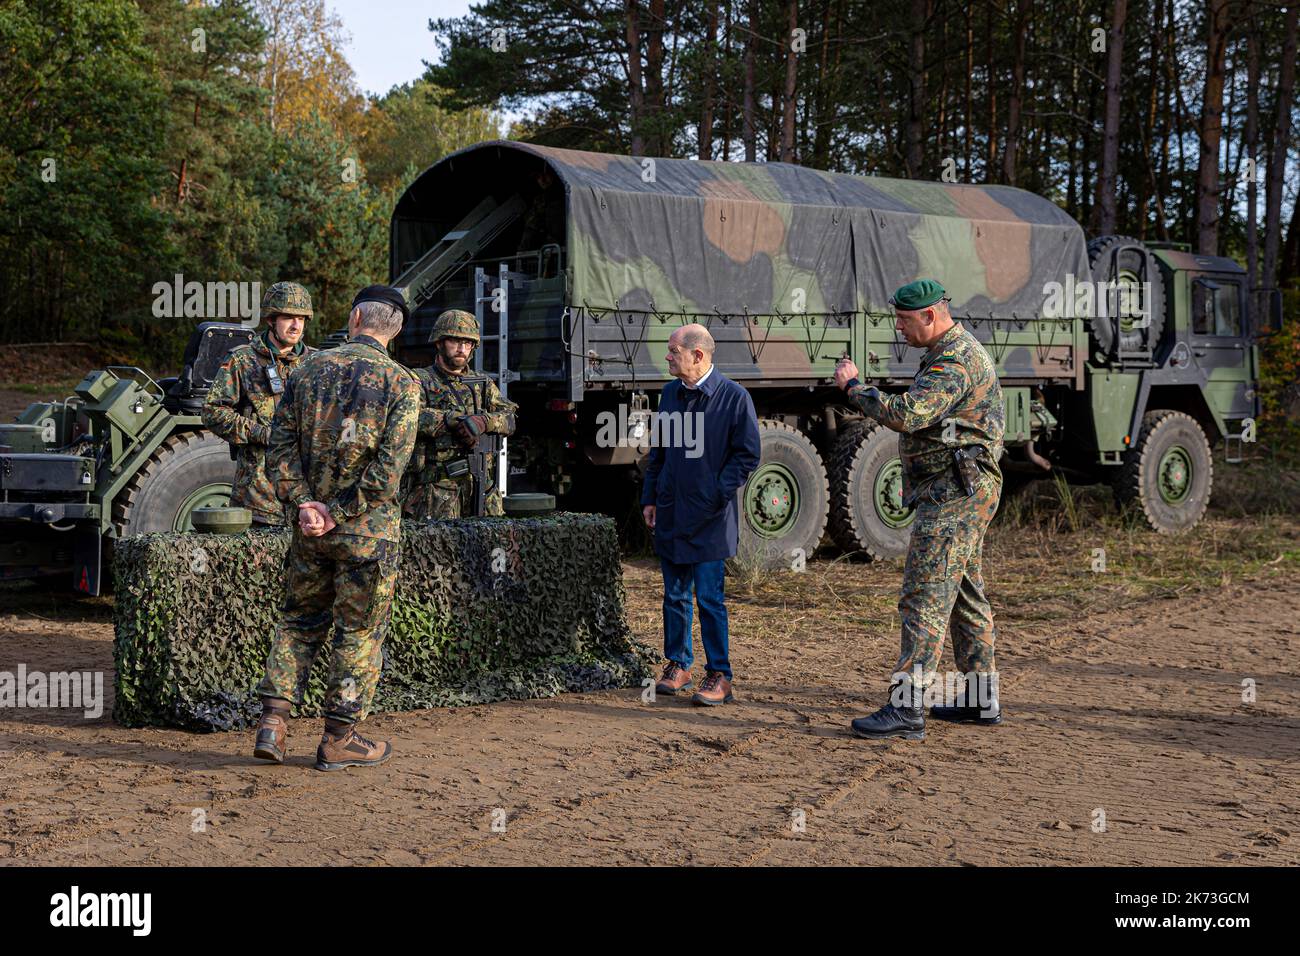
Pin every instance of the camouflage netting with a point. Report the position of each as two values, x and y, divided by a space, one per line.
485 609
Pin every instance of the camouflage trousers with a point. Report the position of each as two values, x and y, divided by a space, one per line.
449 498
339 586
943 582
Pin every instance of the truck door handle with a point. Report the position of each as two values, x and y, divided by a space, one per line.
1199 353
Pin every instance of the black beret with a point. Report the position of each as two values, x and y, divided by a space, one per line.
385 294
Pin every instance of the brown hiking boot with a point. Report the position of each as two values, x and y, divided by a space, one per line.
673 679
350 749
714 690
272 731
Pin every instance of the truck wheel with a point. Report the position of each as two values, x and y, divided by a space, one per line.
1126 267
1169 472
783 504
187 471
867 512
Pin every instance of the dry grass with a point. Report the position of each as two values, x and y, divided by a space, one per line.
1055 551
1037 570
1261 486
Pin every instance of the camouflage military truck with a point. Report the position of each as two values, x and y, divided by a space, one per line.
579 265
122 456
1120 362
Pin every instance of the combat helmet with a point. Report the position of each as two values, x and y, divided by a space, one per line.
286 298
455 324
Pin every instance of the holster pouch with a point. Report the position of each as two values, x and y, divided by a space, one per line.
968 471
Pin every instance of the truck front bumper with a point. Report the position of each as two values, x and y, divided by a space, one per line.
33 549
47 512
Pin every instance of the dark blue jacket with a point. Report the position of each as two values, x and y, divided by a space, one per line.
695 497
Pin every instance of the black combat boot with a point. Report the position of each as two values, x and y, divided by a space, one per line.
893 721
971 712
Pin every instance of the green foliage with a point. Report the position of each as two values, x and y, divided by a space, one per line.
193 139
485 609
1279 379
222 160
335 217
1004 91
406 131
568 57
80 109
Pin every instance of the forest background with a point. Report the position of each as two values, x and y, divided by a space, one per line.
141 139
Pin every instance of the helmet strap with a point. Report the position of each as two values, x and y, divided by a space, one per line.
272 337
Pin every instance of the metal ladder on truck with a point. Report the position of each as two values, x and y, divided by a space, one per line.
493 296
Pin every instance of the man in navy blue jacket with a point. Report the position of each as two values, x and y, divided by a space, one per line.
705 445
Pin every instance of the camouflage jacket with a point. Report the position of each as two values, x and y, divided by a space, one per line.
239 407
445 397
343 434
955 401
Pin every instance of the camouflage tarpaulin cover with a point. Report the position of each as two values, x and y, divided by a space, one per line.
675 235
485 609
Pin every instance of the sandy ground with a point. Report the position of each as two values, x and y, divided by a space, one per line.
1137 714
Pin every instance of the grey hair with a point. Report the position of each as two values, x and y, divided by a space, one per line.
698 339
379 317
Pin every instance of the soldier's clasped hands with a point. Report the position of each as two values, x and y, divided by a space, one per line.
314 519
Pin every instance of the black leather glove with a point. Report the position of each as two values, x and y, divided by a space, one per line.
469 427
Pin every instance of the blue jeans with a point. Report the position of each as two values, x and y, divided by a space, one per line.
705 579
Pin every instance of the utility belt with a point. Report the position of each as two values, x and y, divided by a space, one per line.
455 470
960 479
474 468
445 442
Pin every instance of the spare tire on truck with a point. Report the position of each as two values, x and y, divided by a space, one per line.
1125 262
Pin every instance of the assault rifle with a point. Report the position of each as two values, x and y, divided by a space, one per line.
484 455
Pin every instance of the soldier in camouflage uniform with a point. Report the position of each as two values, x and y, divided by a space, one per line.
954 406
339 443
453 414
246 390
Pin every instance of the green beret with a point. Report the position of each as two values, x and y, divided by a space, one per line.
920 294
